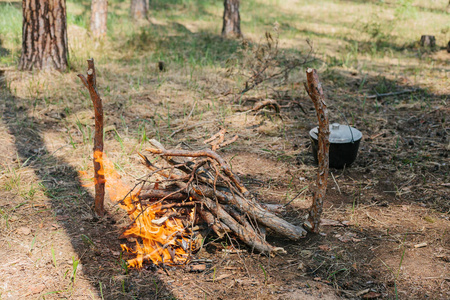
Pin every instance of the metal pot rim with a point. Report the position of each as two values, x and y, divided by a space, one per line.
353 134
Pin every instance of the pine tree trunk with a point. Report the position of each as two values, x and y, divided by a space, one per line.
44 35
138 9
231 19
99 17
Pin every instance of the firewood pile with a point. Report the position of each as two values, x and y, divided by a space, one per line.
197 189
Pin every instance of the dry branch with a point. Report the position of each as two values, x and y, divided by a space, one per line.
158 194
268 102
251 238
218 227
315 92
254 210
217 141
91 84
203 153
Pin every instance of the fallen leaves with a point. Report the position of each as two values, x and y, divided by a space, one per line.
347 237
324 248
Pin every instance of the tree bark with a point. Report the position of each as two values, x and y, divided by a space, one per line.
44 35
138 9
99 17
231 19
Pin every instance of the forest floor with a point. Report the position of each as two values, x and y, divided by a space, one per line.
392 238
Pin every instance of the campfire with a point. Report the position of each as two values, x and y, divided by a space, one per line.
188 193
180 200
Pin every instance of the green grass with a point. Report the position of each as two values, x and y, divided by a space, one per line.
10 33
187 32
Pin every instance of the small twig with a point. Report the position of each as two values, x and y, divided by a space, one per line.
378 96
337 185
215 136
299 193
230 141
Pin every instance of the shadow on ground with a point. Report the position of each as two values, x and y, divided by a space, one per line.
94 241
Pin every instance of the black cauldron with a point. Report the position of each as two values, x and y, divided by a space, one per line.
344 144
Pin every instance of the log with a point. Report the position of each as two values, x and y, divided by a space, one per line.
206 178
315 92
251 238
255 211
91 84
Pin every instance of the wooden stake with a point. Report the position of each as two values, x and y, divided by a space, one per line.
91 84
315 92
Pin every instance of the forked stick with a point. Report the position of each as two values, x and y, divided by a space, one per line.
314 89
91 84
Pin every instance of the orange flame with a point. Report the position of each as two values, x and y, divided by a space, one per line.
161 243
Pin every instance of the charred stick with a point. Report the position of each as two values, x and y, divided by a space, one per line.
164 218
315 92
159 194
170 194
218 227
167 206
91 84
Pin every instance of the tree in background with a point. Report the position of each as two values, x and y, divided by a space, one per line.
44 35
99 16
138 9
231 19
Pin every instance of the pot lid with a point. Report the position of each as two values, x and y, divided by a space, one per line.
339 134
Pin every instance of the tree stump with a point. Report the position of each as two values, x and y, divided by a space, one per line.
428 41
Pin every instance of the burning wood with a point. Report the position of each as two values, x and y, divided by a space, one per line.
197 187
